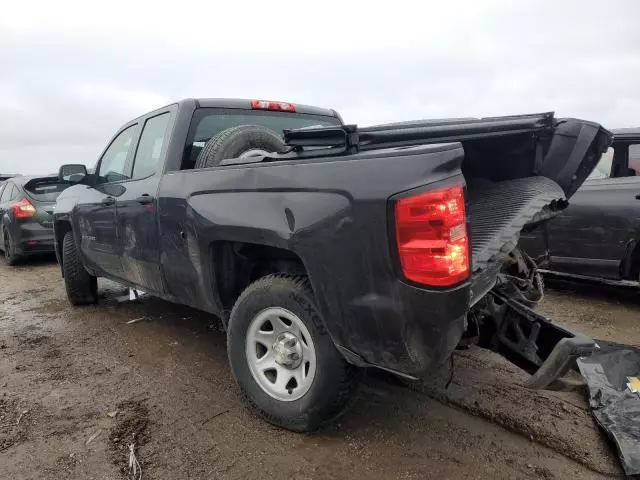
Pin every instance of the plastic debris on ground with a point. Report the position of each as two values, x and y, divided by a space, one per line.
135 470
612 374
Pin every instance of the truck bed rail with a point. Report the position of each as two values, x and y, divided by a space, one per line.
352 138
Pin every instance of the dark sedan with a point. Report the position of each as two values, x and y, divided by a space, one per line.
26 208
598 235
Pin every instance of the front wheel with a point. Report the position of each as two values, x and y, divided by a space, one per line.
81 286
286 365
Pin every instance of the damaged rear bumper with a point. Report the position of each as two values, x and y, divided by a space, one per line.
534 343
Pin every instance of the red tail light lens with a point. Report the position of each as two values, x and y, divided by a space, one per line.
431 231
273 106
23 209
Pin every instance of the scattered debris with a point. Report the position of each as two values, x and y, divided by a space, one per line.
611 376
214 416
129 429
94 436
135 470
130 295
136 320
633 384
22 414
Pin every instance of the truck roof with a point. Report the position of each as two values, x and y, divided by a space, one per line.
626 133
245 104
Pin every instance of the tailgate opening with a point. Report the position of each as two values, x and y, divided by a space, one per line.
517 181
520 170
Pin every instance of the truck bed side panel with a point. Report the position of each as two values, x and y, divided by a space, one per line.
332 214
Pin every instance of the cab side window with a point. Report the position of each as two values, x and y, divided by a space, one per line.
113 165
634 159
150 146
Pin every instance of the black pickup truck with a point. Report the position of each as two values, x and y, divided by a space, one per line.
326 247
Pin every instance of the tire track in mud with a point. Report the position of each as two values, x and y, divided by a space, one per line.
486 385
92 361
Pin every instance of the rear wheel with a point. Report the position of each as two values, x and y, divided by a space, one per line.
9 248
286 365
81 286
237 142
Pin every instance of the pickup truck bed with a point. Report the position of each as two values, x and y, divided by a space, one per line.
366 247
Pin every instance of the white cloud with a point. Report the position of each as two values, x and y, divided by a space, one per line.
71 73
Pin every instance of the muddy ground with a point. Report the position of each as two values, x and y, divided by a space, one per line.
79 385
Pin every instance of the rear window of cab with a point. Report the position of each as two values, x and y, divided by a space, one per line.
208 122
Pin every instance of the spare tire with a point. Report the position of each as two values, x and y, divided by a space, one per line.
235 142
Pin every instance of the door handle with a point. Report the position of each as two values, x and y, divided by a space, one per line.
108 201
145 199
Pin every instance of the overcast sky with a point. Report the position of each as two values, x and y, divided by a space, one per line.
71 73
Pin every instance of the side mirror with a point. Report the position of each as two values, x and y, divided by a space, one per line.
73 173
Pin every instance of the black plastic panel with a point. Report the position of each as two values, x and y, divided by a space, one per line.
498 211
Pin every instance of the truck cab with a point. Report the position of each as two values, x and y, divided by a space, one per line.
117 226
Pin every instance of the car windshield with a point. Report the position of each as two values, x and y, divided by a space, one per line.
45 189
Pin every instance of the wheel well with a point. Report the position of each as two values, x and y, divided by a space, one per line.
632 271
237 264
61 229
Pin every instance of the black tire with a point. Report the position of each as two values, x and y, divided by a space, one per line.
8 247
81 286
233 142
335 380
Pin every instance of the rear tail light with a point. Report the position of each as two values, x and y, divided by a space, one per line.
23 209
273 106
431 232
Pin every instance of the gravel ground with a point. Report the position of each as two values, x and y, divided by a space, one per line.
79 385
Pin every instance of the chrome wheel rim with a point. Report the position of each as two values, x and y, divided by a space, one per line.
280 354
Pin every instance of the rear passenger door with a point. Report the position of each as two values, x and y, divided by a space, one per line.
590 237
136 207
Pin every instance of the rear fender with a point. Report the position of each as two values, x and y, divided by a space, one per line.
297 221
332 214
